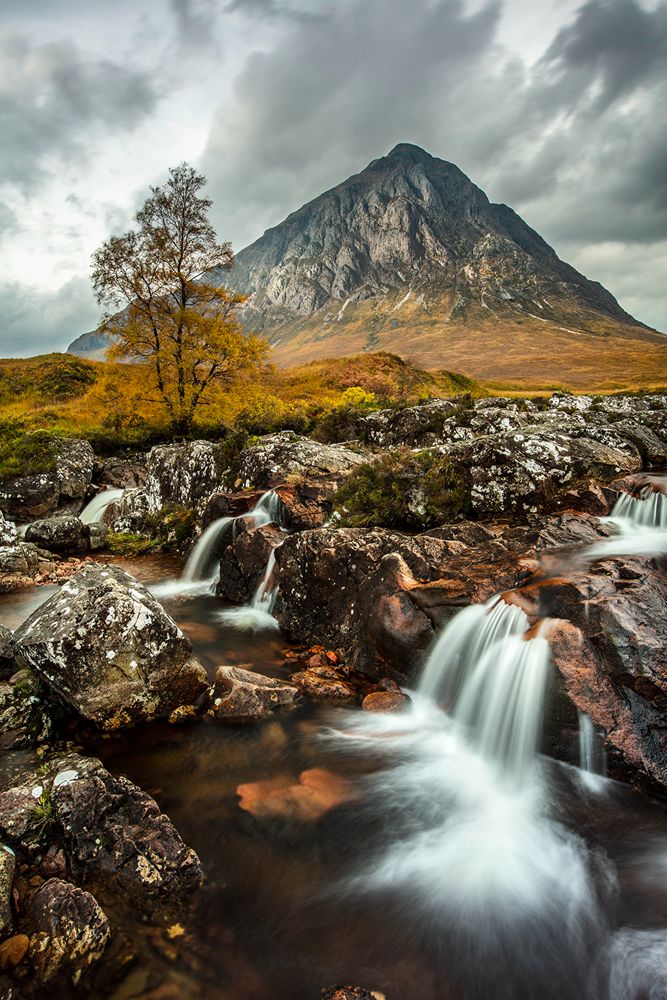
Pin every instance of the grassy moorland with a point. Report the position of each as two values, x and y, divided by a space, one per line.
108 403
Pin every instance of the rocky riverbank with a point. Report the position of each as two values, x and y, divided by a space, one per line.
371 547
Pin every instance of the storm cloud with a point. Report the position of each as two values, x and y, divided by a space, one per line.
555 109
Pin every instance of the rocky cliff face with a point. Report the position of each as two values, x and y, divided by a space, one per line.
410 256
408 223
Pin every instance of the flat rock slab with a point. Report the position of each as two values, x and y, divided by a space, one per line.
241 696
106 646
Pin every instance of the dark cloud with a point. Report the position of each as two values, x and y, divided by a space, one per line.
575 142
52 98
33 321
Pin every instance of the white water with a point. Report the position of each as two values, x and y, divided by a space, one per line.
641 525
200 574
259 613
592 754
93 512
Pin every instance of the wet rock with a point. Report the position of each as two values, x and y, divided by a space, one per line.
109 649
120 473
244 561
8 533
350 993
277 458
70 932
324 684
611 654
7 867
384 701
25 711
65 485
98 534
528 470
13 951
184 474
380 595
130 512
19 565
7 661
65 534
224 504
241 696
307 503
114 835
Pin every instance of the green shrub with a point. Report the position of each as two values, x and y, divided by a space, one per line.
66 379
407 490
23 452
126 543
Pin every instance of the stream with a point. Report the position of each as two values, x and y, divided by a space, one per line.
457 864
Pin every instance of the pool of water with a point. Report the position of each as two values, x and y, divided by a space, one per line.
346 848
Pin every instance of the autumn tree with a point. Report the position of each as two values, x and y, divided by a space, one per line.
164 304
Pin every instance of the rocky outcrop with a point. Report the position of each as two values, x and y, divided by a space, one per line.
279 458
65 534
65 486
108 648
184 474
69 933
26 711
244 560
120 473
114 835
610 649
241 696
526 471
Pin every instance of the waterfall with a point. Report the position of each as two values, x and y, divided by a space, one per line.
641 525
200 573
93 512
258 614
592 756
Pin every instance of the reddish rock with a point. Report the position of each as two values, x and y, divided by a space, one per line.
242 696
13 951
316 792
244 561
384 701
324 684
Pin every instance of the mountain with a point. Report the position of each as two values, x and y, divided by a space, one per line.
410 256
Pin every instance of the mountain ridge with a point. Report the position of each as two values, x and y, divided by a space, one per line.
410 256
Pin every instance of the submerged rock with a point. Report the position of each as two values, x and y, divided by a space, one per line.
106 646
241 696
69 933
64 534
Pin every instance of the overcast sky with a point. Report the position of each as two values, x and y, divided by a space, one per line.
554 107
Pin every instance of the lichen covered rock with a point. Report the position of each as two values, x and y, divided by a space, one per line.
241 696
276 458
64 534
106 646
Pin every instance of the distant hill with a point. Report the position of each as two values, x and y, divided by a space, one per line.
410 256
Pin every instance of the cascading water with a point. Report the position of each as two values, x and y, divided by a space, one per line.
93 512
200 573
592 756
641 525
259 613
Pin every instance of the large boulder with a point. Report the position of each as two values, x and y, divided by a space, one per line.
119 472
69 933
114 835
65 534
610 647
528 470
380 595
106 646
64 486
184 474
280 458
241 696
